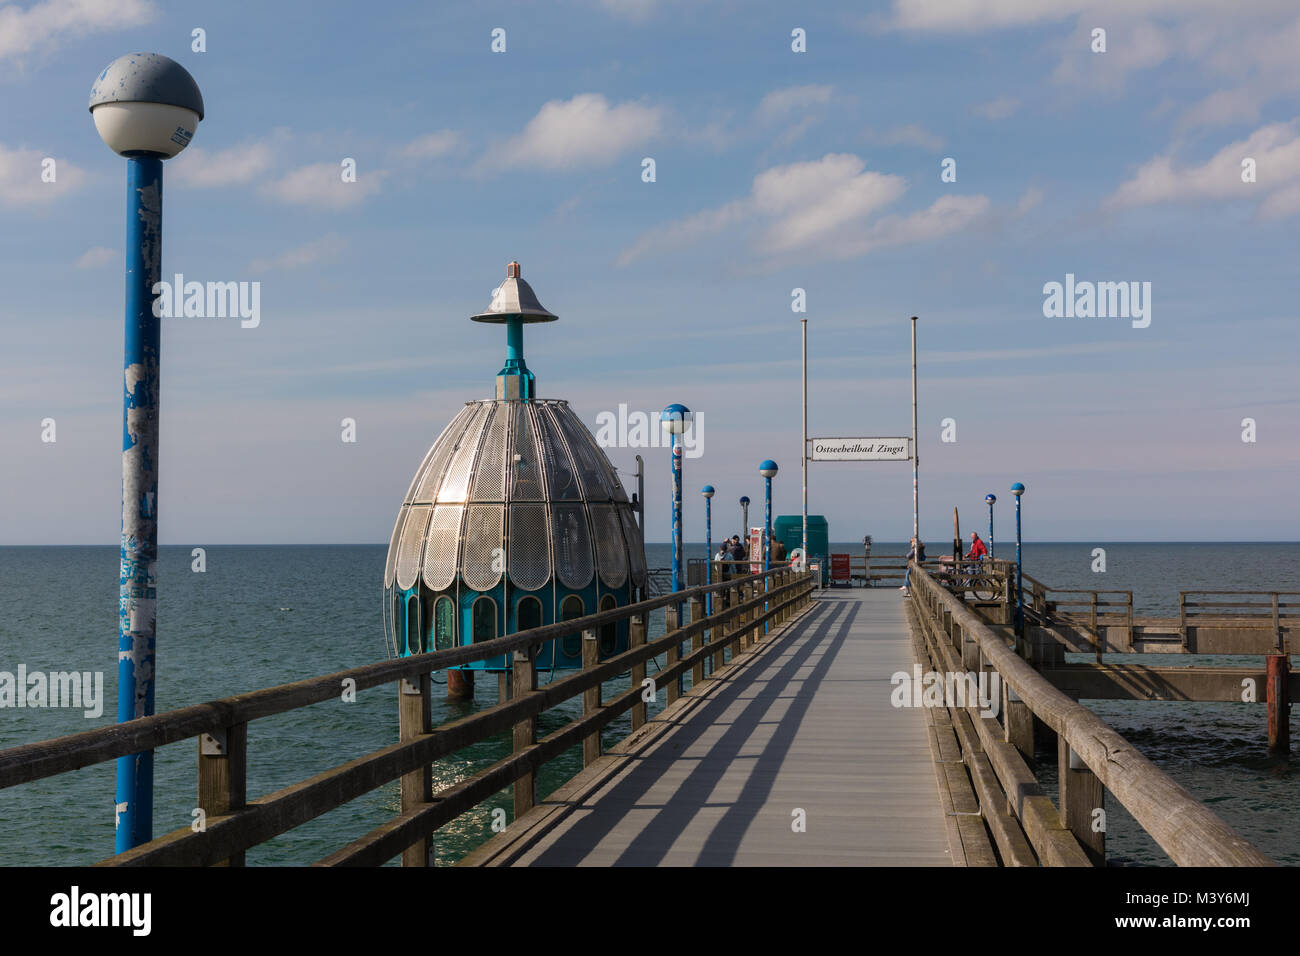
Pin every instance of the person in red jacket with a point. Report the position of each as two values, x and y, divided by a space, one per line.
977 549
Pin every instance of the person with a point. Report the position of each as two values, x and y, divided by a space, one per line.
737 551
977 549
778 551
917 551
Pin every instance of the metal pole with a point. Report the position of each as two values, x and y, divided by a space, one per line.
767 542
744 518
708 549
677 511
916 463
992 551
1020 581
640 495
137 609
804 446
767 524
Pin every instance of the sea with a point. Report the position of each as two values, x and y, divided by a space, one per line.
257 616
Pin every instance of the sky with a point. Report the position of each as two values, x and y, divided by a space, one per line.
947 160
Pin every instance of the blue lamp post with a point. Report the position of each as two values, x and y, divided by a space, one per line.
676 418
744 518
707 491
990 499
768 470
146 108
1018 489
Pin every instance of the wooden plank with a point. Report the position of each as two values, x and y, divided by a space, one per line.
414 718
223 777
590 701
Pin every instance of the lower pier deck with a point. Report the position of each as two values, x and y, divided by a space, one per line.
805 724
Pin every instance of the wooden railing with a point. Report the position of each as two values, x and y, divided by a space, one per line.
1092 758
231 824
1267 609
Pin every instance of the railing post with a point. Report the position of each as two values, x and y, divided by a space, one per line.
1081 797
636 638
223 782
717 638
697 642
674 689
590 697
524 682
414 717
1279 703
1017 722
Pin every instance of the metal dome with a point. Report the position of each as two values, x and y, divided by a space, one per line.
521 480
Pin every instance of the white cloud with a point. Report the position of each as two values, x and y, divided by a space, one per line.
779 103
44 24
96 257
819 210
325 249
1275 149
203 168
997 109
909 135
1250 45
21 182
582 132
322 185
431 146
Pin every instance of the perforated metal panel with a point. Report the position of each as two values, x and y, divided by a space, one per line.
490 467
635 546
390 565
482 560
411 547
526 473
529 550
573 565
443 548
561 480
456 485
611 552
595 477
427 487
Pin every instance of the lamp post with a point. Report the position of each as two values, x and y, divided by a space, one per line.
676 418
145 108
767 468
1018 489
707 491
990 499
744 518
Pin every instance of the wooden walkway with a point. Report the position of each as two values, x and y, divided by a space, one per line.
806 724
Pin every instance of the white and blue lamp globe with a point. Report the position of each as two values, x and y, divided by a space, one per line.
707 491
1017 489
675 419
768 468
990 499
146 103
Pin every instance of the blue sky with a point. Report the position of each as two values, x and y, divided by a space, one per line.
774 169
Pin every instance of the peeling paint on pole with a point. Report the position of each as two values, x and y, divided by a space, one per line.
138 601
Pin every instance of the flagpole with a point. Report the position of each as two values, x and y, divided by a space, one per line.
916 511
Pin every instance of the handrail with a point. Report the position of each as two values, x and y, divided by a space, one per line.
233 825
1181 825
45 758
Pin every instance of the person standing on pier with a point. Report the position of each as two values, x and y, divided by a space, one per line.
778 551
977 550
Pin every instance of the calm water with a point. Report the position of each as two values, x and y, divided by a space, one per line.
261 616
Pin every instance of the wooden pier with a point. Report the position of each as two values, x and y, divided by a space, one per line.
794 758
782 741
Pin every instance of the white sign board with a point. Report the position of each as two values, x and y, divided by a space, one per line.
860 449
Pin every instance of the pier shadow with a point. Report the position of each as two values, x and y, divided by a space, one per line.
823 630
